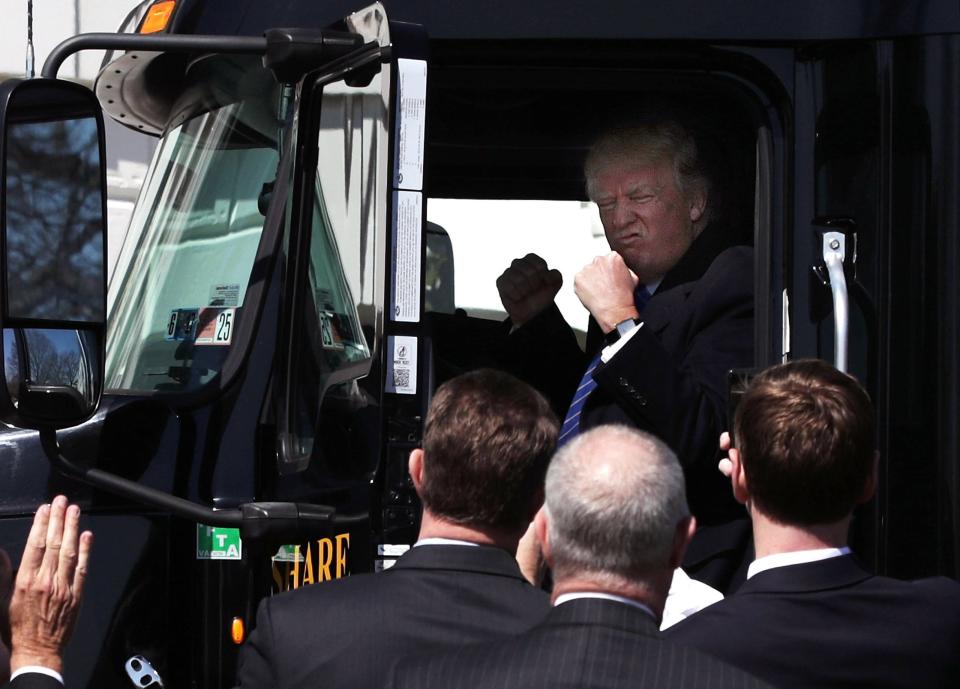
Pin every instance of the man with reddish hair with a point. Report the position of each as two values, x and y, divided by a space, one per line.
810 615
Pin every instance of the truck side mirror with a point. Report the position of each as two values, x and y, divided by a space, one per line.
52 253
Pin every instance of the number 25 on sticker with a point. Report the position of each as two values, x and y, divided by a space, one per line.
216 327
224 327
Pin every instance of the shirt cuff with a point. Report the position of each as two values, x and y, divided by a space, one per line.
609 351
40 670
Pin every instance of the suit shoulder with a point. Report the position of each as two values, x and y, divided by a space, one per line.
335 593
704 624
708 670
940 585
732 266
939 593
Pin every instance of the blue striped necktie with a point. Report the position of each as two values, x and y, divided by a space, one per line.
571 423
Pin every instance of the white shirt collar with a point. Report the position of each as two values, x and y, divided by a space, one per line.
797 557
26 669
566 597
442 541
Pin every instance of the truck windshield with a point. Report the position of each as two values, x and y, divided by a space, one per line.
178 289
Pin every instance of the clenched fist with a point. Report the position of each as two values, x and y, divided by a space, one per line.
527 287
605 286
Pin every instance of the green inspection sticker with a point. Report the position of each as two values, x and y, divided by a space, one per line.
218 543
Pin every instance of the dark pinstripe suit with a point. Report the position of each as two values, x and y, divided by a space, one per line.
584 643
834 624
347 633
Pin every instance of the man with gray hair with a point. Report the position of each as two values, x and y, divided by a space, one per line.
671 313
614 527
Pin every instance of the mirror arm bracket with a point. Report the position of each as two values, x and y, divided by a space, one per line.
160 43
269 523
131 490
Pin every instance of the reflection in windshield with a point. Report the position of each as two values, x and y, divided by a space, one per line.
179 287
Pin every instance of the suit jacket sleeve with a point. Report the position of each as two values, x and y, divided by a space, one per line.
671 377
258 658
544 352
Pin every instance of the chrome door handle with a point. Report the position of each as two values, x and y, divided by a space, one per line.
834 252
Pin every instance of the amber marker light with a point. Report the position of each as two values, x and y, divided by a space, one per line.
157 16
237 632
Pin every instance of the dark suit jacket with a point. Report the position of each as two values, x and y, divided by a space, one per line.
33 680
671 377
833 624
346 633
583 643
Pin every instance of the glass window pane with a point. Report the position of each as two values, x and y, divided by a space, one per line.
488 234
182 277
54 221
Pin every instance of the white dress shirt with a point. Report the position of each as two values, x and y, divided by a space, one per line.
609 351
797 557
39 670
436 540
574 595
686 596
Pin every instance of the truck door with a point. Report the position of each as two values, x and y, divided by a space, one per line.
873 265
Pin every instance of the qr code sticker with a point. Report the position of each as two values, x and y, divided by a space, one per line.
401 377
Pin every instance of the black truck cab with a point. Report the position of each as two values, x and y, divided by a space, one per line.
282 309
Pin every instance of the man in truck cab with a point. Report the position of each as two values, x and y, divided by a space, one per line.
487 441
671 313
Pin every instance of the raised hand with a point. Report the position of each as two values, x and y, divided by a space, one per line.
605 287
527 287
49 586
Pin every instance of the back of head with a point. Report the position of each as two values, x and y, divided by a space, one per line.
805 432
487 442
614 498
646 143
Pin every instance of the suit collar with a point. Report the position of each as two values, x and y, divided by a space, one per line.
837 572
709 244
476 558
605 613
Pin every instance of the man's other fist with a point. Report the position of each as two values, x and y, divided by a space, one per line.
527 287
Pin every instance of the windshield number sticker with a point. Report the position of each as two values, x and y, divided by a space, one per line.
215 326
182 325
330 337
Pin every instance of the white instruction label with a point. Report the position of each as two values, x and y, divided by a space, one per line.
224 295
407 236
402 365
411 123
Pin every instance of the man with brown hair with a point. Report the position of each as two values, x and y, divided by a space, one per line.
809 615
487 441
